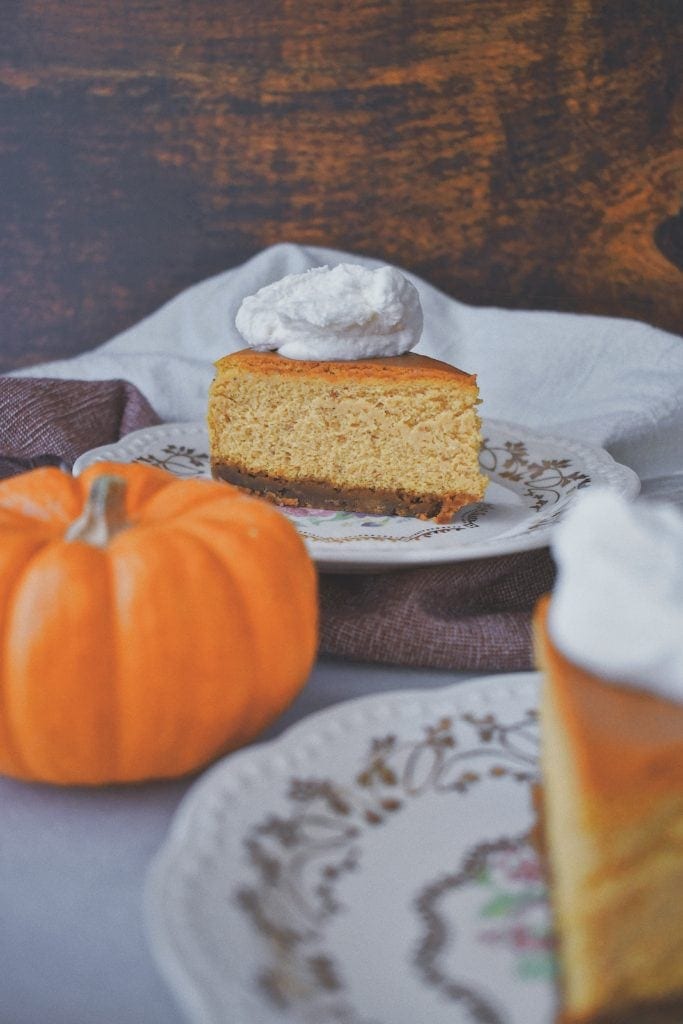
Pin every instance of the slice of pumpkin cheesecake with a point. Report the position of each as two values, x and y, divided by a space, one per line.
330 408
612 780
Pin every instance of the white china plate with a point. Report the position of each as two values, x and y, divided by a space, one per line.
534 480
373 865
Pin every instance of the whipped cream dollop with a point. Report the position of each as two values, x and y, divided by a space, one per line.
347 312
617 607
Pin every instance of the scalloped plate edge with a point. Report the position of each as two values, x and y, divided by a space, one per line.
176 957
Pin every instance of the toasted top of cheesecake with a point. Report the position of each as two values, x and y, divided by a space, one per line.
409 366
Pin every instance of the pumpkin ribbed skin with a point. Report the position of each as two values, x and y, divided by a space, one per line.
180 639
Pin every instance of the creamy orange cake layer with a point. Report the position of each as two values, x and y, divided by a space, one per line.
612 768
398 434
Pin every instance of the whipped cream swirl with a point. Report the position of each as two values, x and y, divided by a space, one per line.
348 312
617 608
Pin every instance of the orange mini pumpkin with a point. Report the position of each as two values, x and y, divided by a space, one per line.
148 624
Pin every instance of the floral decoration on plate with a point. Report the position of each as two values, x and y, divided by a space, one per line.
533 481
371 866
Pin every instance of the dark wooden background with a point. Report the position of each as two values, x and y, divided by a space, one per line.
524 154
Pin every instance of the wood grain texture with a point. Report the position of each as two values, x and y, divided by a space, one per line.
517 154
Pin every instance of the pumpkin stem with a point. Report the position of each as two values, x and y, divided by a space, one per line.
104 514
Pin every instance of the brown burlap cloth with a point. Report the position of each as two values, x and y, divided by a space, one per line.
464 616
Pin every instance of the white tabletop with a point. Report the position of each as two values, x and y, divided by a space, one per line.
73 863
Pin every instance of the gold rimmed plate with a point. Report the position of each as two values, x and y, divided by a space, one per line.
372 865
534 479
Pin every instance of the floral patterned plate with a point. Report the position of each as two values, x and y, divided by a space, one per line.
534 480
372 865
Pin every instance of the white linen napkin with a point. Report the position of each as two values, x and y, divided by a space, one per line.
612 382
